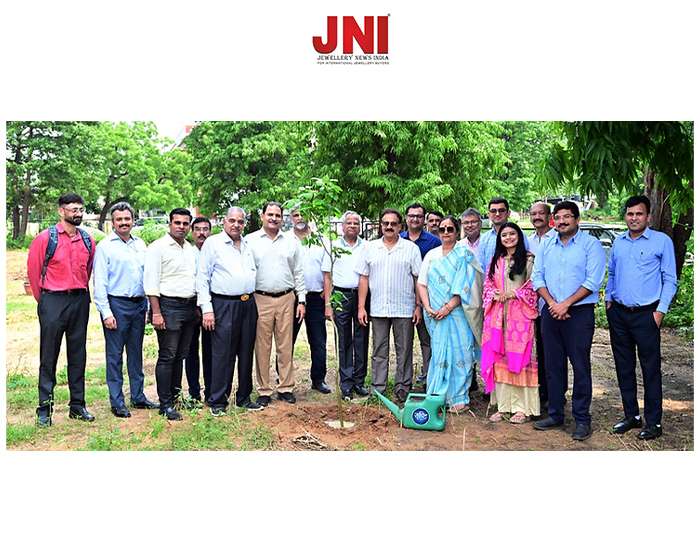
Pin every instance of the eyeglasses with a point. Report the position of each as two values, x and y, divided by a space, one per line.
77 210
498 210
390 224
416 216
563 217
446 229
470 222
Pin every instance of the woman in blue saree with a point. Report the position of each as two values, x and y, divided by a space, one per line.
449 286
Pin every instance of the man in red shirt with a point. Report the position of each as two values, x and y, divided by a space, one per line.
60 286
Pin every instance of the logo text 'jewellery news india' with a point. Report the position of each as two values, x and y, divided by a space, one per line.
372 40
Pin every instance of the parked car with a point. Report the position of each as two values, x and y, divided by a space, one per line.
605 235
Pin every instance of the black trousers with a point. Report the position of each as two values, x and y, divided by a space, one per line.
353 343
630 331
232 340
570 339
541 363
192 363
61 314
173 345
315 321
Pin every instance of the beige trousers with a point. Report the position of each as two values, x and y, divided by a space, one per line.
275 317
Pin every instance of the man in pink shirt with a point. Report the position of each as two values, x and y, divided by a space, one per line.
59 267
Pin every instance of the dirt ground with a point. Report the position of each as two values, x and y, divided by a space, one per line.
303 426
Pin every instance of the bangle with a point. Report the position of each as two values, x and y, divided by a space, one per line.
328 304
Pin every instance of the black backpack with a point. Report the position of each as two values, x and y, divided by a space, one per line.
53 244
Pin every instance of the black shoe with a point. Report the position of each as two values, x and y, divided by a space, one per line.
264 400
286 396
347 395
218 411
547 424
145 404
581 432
121 412
400 396
170 413
43 418
81 413
250 405
361 391
650 432
624 426
321 386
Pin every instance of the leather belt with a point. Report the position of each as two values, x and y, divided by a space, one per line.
130 298
344 289
240 297
71 291
274 294
179 299
636 309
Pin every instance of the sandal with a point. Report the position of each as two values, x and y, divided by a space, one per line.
518 418
496 417
458 409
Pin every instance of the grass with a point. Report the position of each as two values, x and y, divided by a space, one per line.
20 433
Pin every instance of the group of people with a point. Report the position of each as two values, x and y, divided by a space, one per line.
515 308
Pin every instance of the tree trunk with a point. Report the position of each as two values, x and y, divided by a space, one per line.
681 234
24 215
104 212
15 221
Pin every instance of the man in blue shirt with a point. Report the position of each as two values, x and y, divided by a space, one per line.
121 301
569 270
641 285
499 211
415 220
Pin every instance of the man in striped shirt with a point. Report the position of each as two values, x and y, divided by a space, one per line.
389 268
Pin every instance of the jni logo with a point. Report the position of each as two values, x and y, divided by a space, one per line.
353 33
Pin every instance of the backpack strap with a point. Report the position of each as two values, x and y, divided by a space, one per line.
53 244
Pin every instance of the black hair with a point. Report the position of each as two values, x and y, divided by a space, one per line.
69 198
392 211
201 219
416 205
438 214
519 256
272 203
454 221
567 205
180 212
499 200
638 199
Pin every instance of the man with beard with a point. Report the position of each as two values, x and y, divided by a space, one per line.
499 211
568 272
312 257
59 267
201 229
353 338
279 276
169 283
425 241
122 304
540 213
225 286
388 270
641 285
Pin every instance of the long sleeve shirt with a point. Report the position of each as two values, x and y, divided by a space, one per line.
279 263
642 270
118 270
564 269
224 269
169 269
71 265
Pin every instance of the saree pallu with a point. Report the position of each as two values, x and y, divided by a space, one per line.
451 339
507 362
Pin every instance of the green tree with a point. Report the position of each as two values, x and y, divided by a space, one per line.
599 157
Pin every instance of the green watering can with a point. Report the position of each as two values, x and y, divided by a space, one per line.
421 411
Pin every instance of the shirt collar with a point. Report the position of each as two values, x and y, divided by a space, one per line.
646 234
345 243
115 237
572 239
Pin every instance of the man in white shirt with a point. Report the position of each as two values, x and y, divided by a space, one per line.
471 224
312 256
353 338
278 261
225 287
389 269
169 283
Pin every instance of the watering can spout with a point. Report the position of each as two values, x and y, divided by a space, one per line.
390 405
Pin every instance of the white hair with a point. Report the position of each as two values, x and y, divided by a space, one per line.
344 218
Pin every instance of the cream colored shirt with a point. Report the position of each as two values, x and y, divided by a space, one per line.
169 269
279 262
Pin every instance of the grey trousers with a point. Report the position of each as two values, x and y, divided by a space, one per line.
403 343
424 338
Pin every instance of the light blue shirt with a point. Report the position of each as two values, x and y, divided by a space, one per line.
487 248
117 270
642 270
535 242
564 269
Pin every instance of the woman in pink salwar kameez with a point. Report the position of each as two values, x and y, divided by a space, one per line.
508 364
